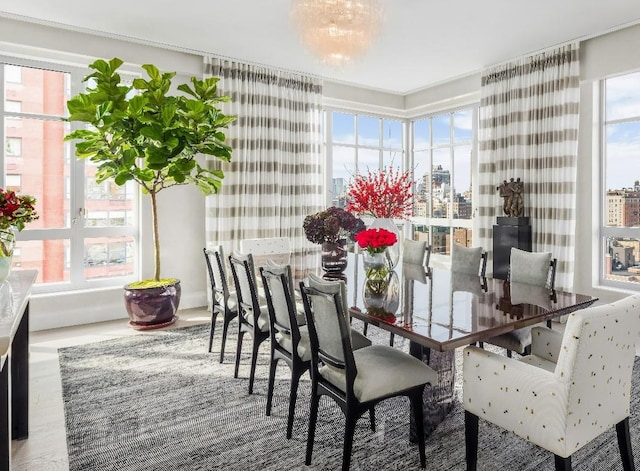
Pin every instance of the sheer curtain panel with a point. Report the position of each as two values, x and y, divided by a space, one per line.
528 128
275 177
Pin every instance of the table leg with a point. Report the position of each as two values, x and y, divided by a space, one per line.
20 380
5 425
438 398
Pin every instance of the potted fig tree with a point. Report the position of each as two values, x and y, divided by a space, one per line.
142 133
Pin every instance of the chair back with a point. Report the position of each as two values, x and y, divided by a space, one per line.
277 249
532 268
277 285
596 360
416 252
216 268
329 337
244 277
468 260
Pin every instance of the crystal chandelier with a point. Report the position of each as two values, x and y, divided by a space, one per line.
337 31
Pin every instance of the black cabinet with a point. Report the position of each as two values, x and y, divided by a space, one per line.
509 232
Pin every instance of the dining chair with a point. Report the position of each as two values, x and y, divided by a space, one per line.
416 252
468 260
289 341
529 268
223 302
571 388
356 379
253 317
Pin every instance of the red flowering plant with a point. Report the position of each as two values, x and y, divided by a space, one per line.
15 212
383 193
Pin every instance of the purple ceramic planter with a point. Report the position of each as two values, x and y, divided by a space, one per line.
152 308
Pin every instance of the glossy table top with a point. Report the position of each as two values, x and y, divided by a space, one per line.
444 310
14 294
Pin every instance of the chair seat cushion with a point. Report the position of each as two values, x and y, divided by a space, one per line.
516 341
382 371
304 347
263 319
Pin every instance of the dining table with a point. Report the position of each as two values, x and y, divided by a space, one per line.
438 311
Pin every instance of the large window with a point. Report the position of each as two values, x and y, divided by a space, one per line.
358 143
443 167
87 233
620 228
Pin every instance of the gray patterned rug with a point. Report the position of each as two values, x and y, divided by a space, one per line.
160 402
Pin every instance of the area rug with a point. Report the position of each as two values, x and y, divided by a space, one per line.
161 402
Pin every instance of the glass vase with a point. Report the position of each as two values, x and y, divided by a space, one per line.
392 253
334 258
7 244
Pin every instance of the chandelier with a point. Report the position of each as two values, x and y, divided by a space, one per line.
337 31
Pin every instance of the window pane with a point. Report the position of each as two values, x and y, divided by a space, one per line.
422 206
392 158
368 159
344 166
392 134
622 149
462 126
622 259
368 131
105 257
623 97
107 204
344 128
421 137
441 182
36 92
37 157
440 240
441 130
49 257
13 73
421 233
462 182
462 236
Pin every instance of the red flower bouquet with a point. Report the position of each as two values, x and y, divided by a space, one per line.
16 211
375 240
384 193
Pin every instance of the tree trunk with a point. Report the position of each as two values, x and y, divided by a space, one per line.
156 235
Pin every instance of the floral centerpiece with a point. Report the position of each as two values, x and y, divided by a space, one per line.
15 212
383 193
375 242
331 227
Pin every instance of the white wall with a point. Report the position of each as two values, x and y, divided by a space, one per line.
182 209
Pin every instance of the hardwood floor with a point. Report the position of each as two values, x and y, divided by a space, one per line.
46 447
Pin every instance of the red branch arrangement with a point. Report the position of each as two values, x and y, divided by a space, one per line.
375 240
384 193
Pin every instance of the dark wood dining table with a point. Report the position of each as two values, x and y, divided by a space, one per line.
438 310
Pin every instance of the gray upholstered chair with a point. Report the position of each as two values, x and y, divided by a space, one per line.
289 341
223 301
253 317
356 379
571 389
416 252
528 268
468 260
276 249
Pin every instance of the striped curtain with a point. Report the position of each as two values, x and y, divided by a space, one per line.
276 174
528 128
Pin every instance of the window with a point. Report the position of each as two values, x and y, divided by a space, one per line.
87 233
620 224
443 167
358 143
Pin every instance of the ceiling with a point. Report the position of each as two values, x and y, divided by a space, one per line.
422 42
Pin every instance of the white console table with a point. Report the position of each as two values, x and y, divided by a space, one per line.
14 361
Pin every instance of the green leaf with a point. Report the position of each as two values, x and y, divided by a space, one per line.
152 71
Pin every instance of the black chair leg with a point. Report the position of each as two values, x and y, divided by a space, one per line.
624 443
471 440
212 330
418 414
272 376
365 328
225 329
254 360
313 416
391 339
372 418
349 429
238 353
509 354
563 464
293 395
